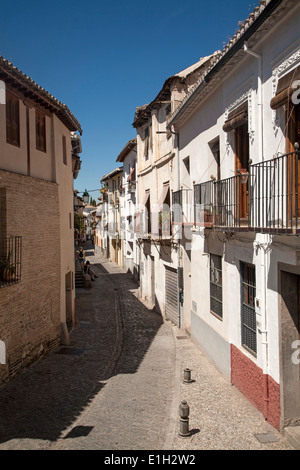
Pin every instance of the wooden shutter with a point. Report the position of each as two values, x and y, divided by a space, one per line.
285 89
40 127
64 149
12 120
236 118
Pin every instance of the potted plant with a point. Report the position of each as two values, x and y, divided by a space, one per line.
103 189
7 269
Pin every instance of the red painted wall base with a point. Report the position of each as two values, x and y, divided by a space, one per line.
260 389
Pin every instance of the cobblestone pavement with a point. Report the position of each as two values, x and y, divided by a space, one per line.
118 385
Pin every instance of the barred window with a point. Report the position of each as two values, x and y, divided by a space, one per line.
248 293
10 260
216 285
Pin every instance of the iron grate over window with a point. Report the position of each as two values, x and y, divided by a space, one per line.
177 207
248 293
10 260
216 285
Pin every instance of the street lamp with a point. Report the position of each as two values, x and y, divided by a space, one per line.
86 197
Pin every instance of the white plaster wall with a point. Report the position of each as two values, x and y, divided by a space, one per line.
281 45
204 125
128 208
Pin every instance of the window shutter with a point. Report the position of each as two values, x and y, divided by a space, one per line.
285 89
12 120
236 118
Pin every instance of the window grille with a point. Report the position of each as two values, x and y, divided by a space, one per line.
216 285
10 260
177 206
248 293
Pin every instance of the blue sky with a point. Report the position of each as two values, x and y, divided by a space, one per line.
103 59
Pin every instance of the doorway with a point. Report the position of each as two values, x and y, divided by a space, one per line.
293 166
171 295
242 165
289 342
69 309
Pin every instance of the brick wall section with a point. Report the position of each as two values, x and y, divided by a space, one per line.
30 309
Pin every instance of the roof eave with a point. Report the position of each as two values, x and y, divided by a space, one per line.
32 90
126 150
234 49
111 174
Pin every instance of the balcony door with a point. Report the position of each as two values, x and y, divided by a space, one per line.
293 162
284 97
241 165
237 122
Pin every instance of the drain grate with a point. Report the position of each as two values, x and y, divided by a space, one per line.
265 438
71 351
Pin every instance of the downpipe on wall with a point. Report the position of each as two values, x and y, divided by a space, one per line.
259 99
266 246
264 264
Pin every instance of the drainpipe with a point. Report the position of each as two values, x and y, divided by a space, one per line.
180 275
260 101
264 326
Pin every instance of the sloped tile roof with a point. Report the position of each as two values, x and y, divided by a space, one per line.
10 73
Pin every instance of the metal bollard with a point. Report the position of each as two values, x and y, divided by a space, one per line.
187 376
184 412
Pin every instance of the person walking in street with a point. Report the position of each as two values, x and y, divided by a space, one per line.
81 258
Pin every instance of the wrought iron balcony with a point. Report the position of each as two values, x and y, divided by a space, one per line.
10 260
267 200
275 195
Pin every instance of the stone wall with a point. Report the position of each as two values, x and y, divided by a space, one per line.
30 309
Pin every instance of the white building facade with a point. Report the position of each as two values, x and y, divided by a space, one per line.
128 204
107 231
157 176
240 248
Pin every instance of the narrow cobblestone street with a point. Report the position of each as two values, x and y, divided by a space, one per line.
118 385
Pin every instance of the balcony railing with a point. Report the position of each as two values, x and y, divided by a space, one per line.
10 260
231 203
265 200
182 207
204 204
275 194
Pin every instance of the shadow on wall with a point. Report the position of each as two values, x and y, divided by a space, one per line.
47 398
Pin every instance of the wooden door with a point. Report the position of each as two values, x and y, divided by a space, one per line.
241 165
292 163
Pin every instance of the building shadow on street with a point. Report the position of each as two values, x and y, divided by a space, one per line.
112 335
